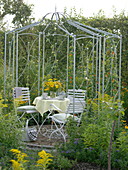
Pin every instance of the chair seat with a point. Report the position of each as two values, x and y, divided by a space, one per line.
62 117
27 107
22 94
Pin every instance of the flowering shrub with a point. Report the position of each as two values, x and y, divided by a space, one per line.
45 159
52 85
20 163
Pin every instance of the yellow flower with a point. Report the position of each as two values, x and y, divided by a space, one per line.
45 161
123 121
5 105
57 86
52 85
21 156
126 127
16 151
43 154
49 79
16 165
20 159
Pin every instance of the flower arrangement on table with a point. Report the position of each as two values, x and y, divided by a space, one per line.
52 85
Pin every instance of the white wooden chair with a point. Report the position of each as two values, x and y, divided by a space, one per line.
77 100
76 107
22 95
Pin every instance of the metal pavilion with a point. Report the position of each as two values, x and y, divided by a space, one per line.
80 56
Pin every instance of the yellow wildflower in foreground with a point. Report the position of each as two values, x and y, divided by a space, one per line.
19 164
45 161
15 151
126 127
16 165
20 156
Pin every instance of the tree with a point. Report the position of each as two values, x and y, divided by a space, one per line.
18 9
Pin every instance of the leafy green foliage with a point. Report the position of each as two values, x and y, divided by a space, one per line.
90 141
120 151
124 94
18 9
96 135
61 162
117 25
10 136
10 133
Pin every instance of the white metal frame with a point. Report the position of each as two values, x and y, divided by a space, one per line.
92 44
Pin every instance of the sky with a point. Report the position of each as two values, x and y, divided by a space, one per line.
88 7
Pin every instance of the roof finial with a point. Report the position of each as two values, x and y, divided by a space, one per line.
55 8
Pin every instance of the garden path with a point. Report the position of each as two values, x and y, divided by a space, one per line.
44 143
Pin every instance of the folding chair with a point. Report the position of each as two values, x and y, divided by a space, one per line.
22 95
76 93
76 107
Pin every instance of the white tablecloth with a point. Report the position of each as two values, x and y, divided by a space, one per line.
43 105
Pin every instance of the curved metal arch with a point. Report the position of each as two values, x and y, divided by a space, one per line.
94 50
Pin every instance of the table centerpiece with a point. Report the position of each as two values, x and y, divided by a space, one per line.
52 86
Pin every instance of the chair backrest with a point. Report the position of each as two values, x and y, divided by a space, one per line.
77 103
22 94
78 93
